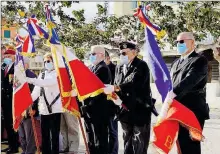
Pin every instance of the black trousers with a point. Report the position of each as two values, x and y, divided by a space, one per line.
113 136
186 144
136 138
50 129
8 122
97 133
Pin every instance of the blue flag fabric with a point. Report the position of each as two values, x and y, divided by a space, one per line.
157 65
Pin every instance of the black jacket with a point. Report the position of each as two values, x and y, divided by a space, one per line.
7 86
189 83
135 92
99 105
112 67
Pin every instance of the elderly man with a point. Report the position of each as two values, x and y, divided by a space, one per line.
189 75
25 130
7 73
132 79
96 109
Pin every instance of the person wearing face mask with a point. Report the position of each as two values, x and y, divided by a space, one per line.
189 75
96 109
50 105
132 84
7 73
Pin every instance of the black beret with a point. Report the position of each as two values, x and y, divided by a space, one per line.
125 45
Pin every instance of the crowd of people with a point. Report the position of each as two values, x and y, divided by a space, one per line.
131 81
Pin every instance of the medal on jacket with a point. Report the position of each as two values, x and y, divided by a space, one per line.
10 77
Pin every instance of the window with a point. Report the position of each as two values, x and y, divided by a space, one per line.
7 34
134 4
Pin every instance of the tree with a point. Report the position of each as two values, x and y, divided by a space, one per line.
199 17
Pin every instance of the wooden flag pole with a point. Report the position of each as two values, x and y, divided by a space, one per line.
35 132
84 136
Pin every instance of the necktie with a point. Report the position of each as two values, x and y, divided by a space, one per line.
180 62
6 70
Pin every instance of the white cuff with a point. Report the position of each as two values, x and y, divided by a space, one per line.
30 80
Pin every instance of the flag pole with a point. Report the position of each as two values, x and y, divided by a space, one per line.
84 136
35 132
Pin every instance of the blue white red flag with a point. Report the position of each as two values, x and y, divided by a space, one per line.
20 89
173 113
53 36
28 45
35 29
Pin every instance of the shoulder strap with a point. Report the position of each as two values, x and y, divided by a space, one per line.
49 106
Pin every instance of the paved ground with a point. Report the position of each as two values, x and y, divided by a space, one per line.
209 146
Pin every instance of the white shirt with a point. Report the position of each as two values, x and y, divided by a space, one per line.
186 56
51 88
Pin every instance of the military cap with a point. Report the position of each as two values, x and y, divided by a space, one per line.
125 45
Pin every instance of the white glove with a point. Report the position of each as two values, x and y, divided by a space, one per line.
118 101
73 93
109 89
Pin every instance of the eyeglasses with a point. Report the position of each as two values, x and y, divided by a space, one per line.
47 61
92 54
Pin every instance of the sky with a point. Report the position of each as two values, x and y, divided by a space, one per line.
89 7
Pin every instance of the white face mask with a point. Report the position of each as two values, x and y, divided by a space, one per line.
49 66
124 59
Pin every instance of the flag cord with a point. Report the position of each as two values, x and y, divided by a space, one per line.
84 136
35 132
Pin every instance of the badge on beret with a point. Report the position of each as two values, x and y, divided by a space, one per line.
125 46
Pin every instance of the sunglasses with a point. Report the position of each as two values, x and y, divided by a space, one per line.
182 41
47 61
123 53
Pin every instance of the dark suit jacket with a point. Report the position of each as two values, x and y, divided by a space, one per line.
112 69
99 105
135 92
7 86
189 83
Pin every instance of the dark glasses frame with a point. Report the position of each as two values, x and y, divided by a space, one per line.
47 61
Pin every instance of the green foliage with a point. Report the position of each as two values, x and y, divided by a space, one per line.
196 16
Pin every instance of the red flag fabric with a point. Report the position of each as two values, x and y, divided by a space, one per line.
20 89
166 132
68 96
87 84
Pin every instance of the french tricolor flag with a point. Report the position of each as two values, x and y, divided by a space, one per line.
86 83
20 89
68 94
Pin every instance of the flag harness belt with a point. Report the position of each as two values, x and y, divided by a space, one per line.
49 106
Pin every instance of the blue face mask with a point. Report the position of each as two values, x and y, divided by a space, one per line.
124 59
7 61
49 66
181 48
92 59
